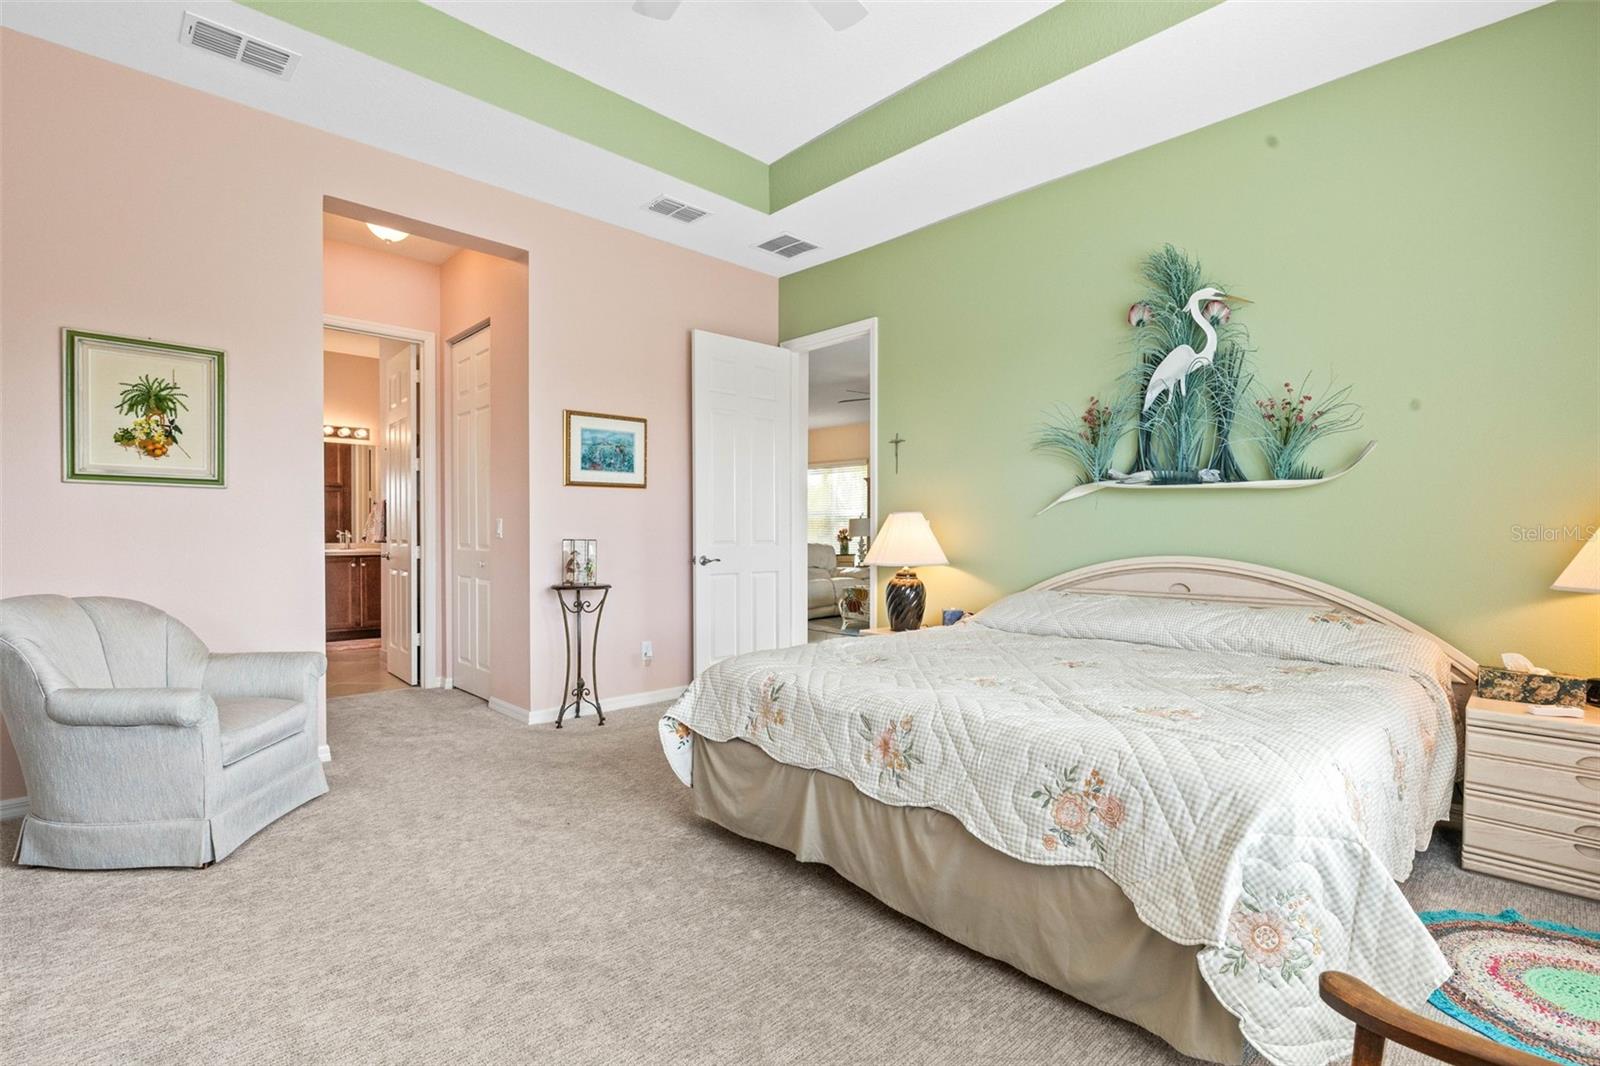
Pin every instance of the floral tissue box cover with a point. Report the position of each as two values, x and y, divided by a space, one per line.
1553 689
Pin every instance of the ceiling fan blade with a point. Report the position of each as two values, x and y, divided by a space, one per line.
840 14
855 399
656 9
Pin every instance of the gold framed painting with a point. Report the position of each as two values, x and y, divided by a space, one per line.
141 411
605 451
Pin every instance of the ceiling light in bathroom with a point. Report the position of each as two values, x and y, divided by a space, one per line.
387 235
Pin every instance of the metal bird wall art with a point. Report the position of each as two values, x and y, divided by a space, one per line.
1173 371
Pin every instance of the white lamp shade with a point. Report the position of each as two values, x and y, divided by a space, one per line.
906 539
1583 573
860 527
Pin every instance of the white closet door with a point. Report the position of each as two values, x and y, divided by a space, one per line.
470 574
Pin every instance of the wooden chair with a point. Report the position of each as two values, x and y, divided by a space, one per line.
1378 1019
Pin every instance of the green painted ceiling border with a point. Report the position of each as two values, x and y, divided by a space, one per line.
431 44
1046 48
425 41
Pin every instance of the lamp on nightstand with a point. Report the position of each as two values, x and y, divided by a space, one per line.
1583 575
906 540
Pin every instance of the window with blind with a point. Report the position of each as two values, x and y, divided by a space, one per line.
834 495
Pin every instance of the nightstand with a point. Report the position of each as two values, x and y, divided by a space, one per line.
1532 792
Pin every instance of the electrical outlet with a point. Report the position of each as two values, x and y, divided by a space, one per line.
647 651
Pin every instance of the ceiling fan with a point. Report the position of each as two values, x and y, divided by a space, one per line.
840 14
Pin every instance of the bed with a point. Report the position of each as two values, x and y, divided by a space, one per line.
1174 788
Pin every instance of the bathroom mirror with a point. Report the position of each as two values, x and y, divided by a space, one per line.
349 493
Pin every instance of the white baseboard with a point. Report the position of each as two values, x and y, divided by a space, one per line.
510 710
13 808
325 753
546 715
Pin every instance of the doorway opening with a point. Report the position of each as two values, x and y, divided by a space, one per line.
379 478
840 367
414 534
754 524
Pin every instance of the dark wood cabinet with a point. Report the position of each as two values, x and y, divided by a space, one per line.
337 486
371 571
354 591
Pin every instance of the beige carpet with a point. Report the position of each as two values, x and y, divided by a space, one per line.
472 891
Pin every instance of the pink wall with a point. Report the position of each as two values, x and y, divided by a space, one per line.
379 287
115 249
349 390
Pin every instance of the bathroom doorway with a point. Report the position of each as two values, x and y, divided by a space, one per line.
376 502
445 520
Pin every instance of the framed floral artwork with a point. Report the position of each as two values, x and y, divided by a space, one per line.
605 450
141 411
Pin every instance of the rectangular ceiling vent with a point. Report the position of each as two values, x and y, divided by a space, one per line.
219 40
666 205
786 245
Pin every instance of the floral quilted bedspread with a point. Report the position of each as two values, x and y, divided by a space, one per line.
1255 780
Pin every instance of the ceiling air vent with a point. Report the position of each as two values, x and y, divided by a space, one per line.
786 245
219 40
666 205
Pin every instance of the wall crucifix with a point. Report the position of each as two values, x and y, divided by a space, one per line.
897 440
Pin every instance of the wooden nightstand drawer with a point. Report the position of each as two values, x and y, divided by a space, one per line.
1572 787
1564 855
1583 826
1551 752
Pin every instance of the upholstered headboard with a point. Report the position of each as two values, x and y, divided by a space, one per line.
1194 577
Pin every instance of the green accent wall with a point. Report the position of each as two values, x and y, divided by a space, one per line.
415 37
1065 38
1426 230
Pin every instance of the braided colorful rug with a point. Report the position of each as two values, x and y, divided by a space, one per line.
1527 984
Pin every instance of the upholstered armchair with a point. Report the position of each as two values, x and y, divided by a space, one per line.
138 745
826 581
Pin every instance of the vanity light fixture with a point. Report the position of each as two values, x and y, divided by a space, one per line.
347 432
387 234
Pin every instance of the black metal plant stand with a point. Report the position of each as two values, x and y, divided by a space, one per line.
572 614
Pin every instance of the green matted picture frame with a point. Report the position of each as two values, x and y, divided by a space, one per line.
141 411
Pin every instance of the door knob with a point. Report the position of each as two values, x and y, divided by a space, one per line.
705 561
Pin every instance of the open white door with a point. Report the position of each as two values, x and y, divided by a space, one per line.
469 514
748 555
398 377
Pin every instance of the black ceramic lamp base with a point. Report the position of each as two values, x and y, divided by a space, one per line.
907 601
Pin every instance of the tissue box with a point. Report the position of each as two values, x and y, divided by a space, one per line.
1558 690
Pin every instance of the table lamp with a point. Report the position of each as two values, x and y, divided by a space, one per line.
906 540
860 529
1583 575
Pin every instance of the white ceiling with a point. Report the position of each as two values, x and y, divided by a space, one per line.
348 230
1228 60
762 77
839 372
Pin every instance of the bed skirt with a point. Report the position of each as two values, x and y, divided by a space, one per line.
1068 926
